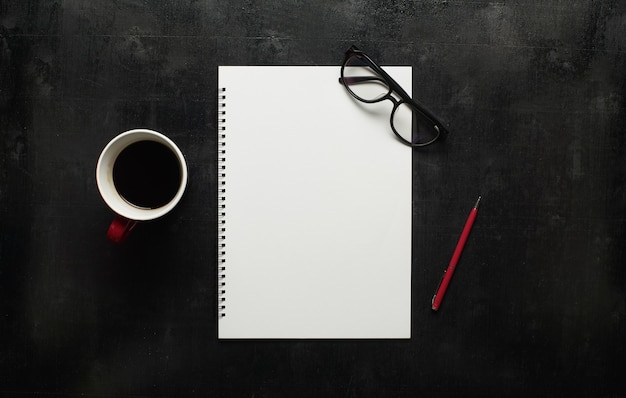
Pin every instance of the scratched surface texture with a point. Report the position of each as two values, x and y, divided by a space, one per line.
533 92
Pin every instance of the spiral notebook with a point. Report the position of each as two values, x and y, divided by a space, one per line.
315 208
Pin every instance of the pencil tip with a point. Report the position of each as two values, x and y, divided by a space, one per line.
477 202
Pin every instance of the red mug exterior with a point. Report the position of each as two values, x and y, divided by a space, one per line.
120 228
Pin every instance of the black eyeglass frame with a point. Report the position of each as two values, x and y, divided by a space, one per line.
442 131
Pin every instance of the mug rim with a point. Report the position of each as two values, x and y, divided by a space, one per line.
104 175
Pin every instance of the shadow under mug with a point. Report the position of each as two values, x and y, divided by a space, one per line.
134 172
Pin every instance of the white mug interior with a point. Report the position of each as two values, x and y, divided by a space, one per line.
104 175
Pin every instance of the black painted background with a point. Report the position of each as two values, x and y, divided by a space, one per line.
533 92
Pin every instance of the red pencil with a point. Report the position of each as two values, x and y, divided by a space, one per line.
447 274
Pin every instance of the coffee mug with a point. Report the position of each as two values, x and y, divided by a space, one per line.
141 175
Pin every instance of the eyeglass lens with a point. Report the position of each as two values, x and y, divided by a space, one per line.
362 81
408 123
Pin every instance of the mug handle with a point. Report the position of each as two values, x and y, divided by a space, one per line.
120 228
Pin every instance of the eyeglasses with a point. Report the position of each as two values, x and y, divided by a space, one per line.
369 83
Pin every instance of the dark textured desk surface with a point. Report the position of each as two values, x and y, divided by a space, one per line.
533 92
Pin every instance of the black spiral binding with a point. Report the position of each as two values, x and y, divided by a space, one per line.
221 200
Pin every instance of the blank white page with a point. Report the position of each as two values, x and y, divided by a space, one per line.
317 208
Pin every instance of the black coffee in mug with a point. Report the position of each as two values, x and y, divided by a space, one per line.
147 174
